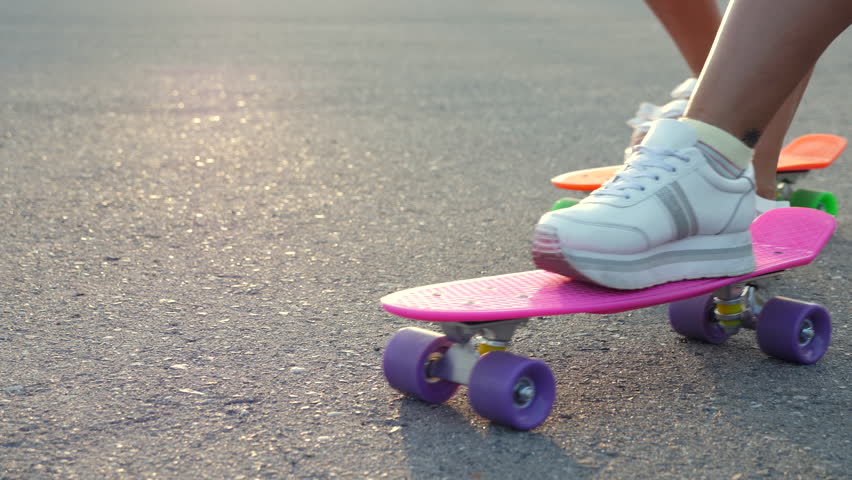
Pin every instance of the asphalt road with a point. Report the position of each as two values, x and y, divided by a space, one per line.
203 201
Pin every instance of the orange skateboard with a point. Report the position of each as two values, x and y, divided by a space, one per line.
808 152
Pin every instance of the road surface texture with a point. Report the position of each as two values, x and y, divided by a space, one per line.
203 201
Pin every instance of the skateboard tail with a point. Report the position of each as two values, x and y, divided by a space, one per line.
810 152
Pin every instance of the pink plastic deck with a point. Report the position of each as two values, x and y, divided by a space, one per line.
783 238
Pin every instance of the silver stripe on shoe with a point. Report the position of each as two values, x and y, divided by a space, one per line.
677 212
687 207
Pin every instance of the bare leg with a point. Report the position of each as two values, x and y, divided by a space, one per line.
758 59
768 149
618 239
692 26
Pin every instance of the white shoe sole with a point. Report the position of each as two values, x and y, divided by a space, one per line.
701 256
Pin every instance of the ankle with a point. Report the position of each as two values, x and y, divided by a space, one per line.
767 193
722 142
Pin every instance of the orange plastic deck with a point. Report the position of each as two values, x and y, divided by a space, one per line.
585 180
810 152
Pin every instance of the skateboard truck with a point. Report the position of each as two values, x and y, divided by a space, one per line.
471 340
784 189
825 201
733 310
739 305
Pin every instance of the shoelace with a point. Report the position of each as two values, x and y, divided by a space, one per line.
641 164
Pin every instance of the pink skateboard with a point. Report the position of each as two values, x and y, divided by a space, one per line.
479 317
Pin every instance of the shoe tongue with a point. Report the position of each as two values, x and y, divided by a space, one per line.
670 135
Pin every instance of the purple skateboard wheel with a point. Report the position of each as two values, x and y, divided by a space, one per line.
794 331
693 318
406 362
512 390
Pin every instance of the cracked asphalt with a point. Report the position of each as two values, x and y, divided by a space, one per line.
203 201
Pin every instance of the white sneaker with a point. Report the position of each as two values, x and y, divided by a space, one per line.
677 210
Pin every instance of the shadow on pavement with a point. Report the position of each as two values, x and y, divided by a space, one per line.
441 442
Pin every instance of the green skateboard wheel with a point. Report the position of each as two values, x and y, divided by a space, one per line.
825 201
564 203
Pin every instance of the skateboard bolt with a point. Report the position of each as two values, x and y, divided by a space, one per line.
807 333
430 365
524 392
